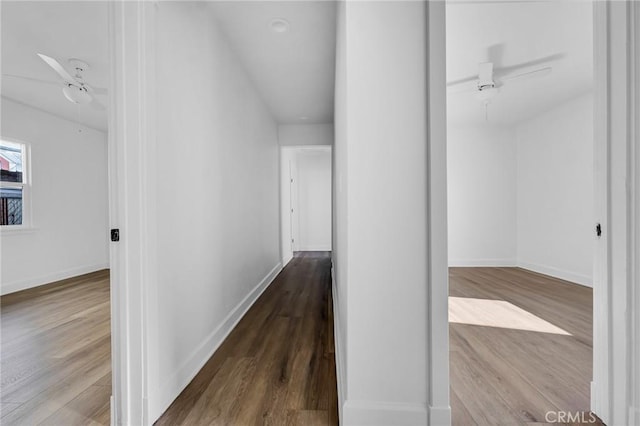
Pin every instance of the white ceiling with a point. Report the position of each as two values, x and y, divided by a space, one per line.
62 30
526 31
294 70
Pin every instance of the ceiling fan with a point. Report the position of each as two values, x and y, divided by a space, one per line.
74 88
490 78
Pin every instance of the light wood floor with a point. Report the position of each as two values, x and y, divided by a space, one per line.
56 353
516 369
277 366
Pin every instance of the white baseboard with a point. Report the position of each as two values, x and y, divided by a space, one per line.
112 410
378 413
160 400
339 350
573 277
12 287
287 259
496 263
439 416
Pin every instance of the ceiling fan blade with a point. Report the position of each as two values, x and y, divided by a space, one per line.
54 83
485 73
503 71
535 73
59 69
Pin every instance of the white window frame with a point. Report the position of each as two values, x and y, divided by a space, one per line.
25 185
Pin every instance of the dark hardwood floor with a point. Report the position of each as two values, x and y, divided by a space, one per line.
517 368
55 349
277 366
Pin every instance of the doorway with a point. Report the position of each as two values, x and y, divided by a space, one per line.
521 197
56 336
305 179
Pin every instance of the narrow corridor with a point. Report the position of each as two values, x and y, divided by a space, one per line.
277 366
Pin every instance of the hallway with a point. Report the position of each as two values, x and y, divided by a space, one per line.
277 366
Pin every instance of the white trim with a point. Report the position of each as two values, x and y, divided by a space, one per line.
112 410
11 230
131 141
339 351
437 254
170 389
634 410
601 296
562 274
26 187
292 234
12 287
439 416
616 383
470 263
383 413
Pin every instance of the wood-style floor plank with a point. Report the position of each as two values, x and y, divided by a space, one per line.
56 353
277 366
504 374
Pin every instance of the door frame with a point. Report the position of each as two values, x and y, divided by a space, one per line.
615 299
615 389
288 203
131 141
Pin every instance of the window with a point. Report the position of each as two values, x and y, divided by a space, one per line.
13 183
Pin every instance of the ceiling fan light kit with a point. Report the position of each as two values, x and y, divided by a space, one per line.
74 88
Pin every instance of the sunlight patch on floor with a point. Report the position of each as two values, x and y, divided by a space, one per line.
497 313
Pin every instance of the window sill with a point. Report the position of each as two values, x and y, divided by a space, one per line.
16 230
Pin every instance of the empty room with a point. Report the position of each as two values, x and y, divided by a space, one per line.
55 304
521 211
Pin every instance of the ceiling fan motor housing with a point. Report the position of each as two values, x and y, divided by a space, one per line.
486 92
76 94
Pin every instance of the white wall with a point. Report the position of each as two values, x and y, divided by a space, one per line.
340 202
481 163
313 188
217 197
523 196
555 192
305 134
69 200
380 158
